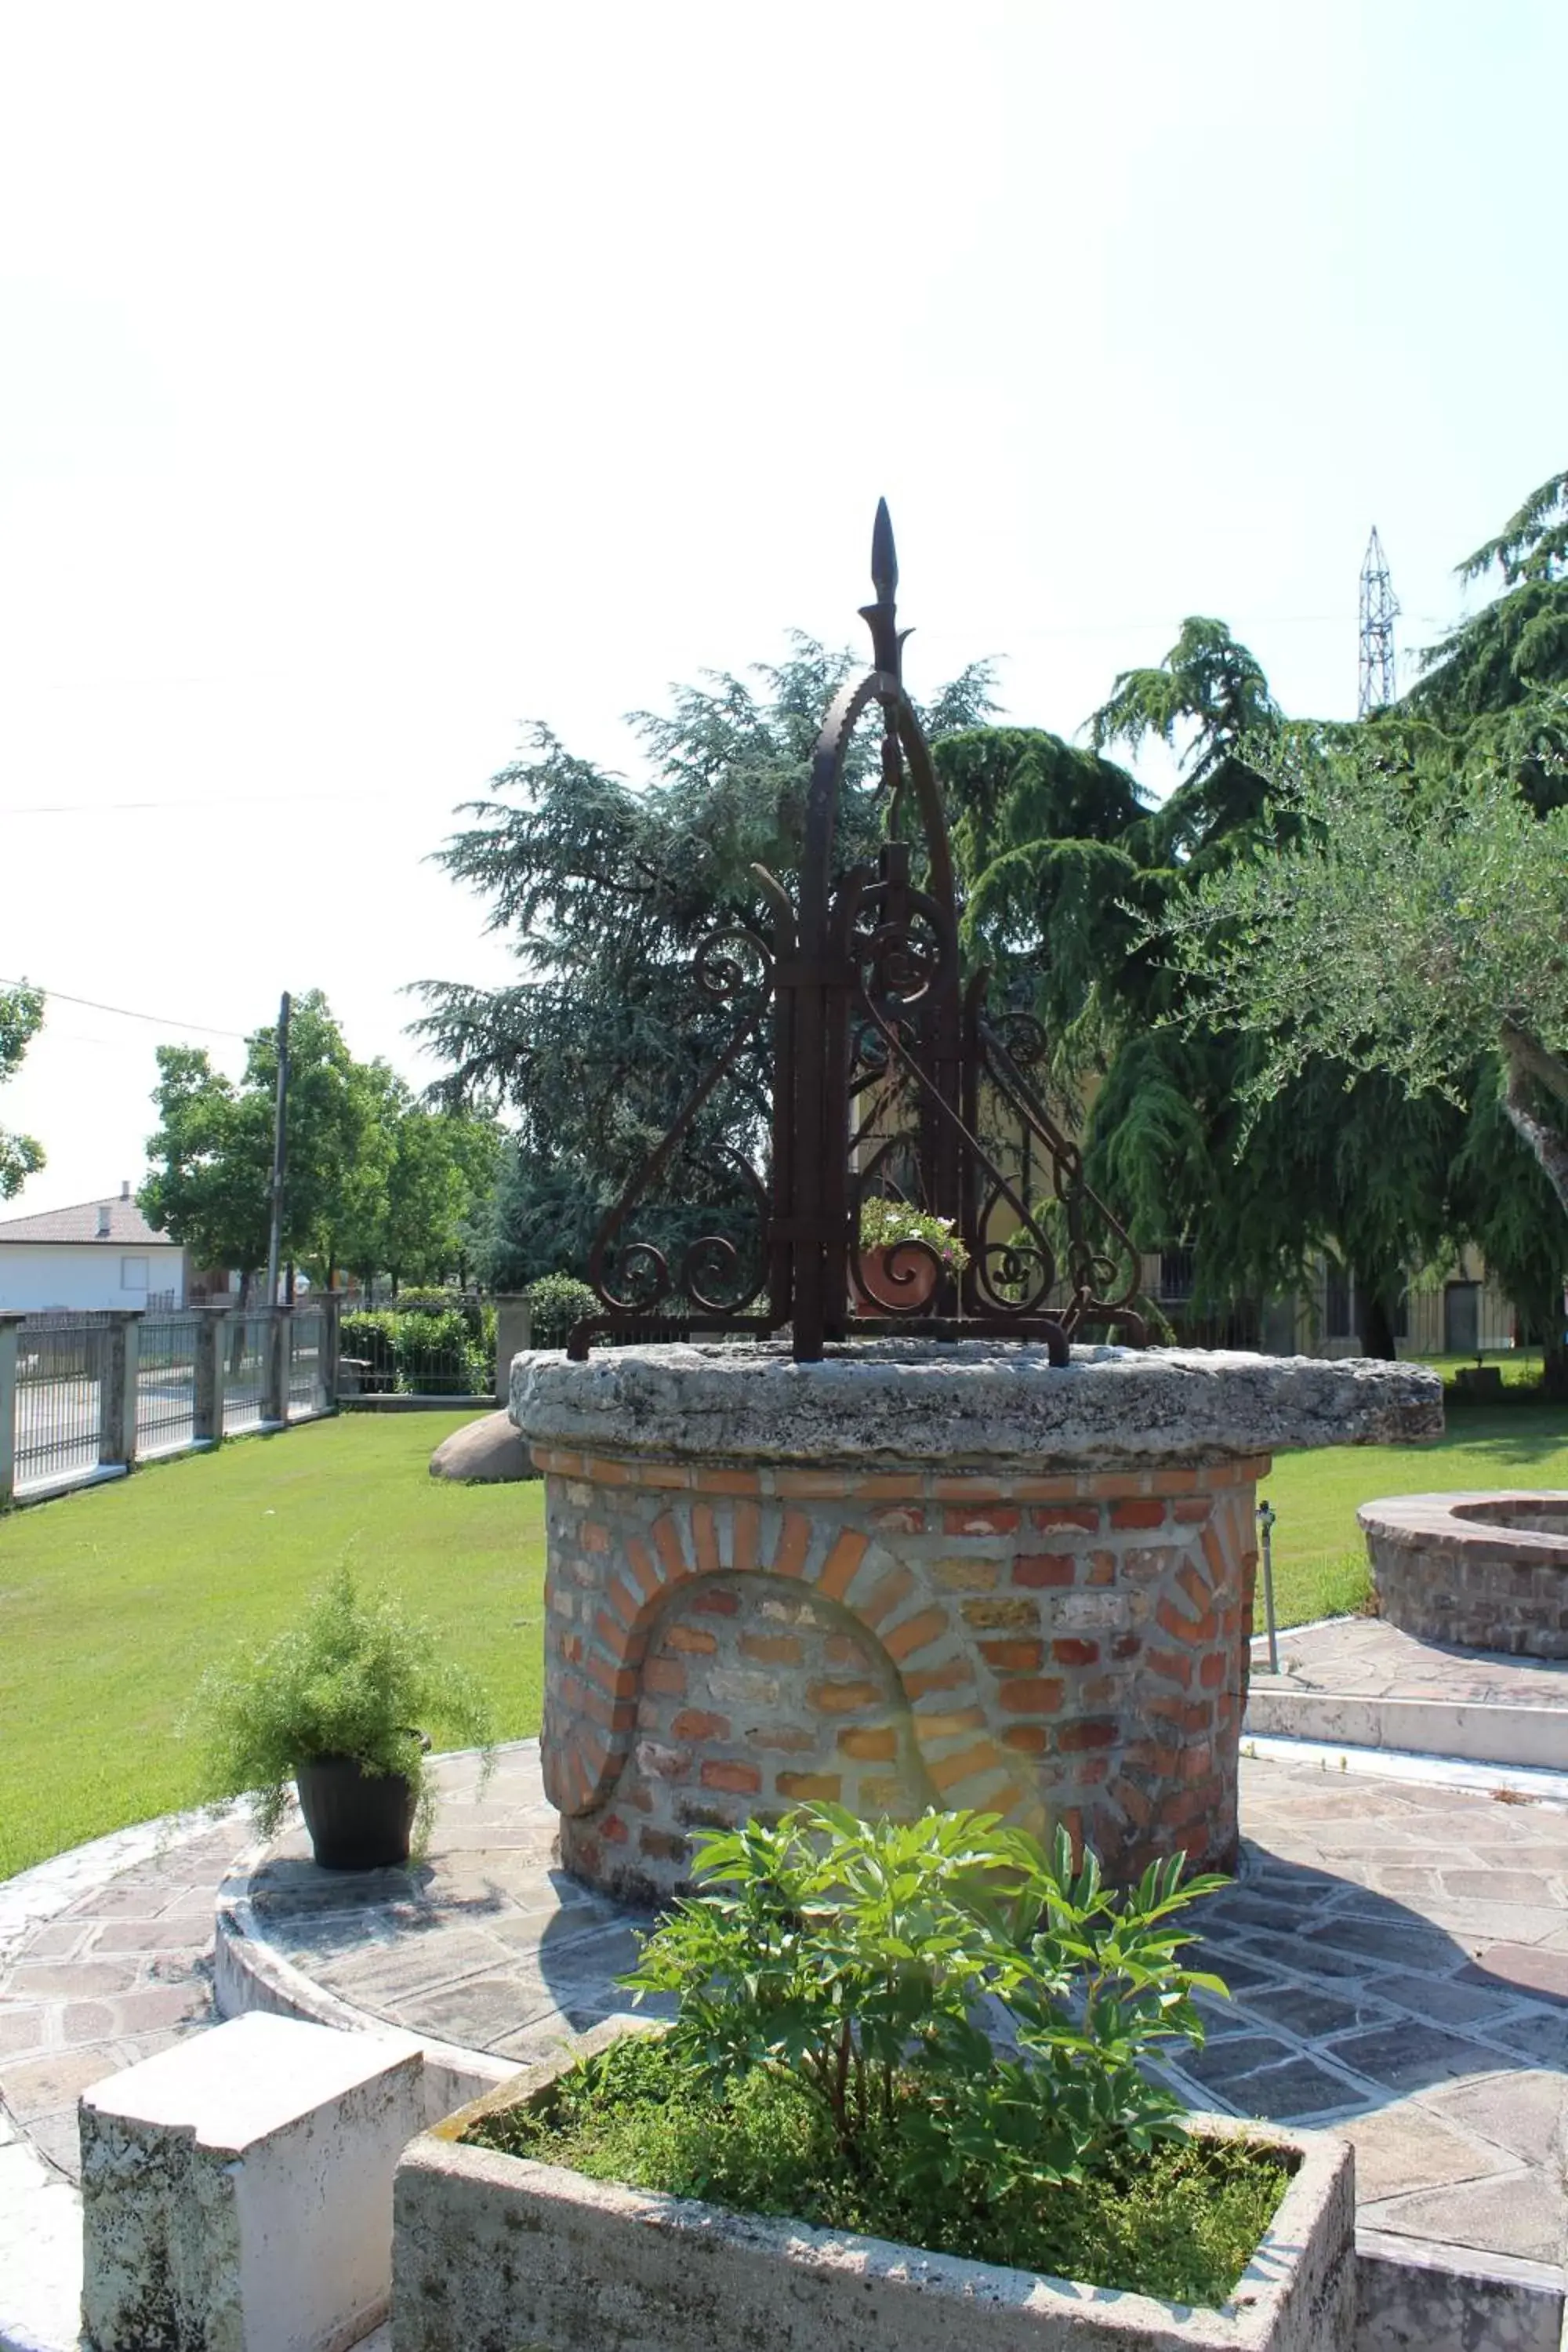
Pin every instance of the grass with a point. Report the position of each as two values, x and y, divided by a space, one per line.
114 1601
1182 2222
1320 1558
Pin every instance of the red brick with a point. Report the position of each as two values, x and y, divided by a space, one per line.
748 1535
1193 1631
772 1649
667 1542
1026 1738
1192 1510
1044 1568
613 1830
781 1738
1126 1646
991 1519
889 1593
970 1761
696 1723
1017 1656
659 1846
1142 1514
916 1633
705 1539
666 1675
884 1792
1194 1586
741 1779
843 1650
624 1602
1211 1670
1072 1652
639 1560
1092 1731
899 1519
690 1638
1195 1761
1170 1667
727 1482
849 1548
1032 1694
948 1724
809 1787
1001 1616
716 1603
1102 1568
870 1744
956 1674
1133 1802
594 1537
842 1698
794 1542
1068 1515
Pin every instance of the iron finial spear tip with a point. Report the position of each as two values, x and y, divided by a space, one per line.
884 554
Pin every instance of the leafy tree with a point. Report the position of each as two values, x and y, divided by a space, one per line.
1417 926
606 889
1495 689
21 1017
210 1187
438 1172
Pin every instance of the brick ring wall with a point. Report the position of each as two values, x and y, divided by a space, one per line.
724 1641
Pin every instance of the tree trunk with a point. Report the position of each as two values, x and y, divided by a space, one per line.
1376 1323
1526 1060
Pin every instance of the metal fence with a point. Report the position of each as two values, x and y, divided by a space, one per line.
59 1409
85 1396
167 1383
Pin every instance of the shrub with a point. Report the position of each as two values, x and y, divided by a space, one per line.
555 1303
854 1960
354 1677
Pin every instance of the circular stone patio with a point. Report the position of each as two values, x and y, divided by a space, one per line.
1397 1953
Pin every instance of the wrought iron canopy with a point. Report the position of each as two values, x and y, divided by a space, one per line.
891 1084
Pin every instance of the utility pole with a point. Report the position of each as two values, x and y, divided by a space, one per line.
1379 609
279 1155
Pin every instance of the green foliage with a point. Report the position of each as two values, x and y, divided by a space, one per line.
885 1223
556 1303
354 1677
604 890
1495 689
428 1350
21 1018
1182 2221
850 1959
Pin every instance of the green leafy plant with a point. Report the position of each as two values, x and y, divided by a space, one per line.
885 1223
938 2031
950 1981
356 1677
556 1302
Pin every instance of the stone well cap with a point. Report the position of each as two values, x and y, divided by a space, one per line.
968 1402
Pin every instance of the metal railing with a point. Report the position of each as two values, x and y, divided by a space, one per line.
57 1415
167 1383
85 1396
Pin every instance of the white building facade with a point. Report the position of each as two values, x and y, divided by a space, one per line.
81 1260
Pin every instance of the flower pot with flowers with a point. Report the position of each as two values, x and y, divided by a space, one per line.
902 1254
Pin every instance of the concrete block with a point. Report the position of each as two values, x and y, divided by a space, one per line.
237 2189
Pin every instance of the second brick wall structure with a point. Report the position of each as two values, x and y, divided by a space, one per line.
722 1643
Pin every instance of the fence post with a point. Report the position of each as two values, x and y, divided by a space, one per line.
206 1413
332 1320
275 1383
10 1329
118 1368
512 1321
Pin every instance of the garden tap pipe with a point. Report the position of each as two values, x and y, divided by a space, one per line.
1267 1515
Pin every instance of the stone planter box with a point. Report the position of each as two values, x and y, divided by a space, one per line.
500 2254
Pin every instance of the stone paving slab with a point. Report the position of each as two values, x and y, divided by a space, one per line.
1398 1954
1361 1657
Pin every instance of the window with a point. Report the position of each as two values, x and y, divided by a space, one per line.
132 1273
1175 1275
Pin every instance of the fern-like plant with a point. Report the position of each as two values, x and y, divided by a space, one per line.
355 1678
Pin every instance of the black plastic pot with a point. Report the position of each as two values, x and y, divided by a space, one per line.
357 1820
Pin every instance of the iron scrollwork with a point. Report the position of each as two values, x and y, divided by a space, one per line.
890 1076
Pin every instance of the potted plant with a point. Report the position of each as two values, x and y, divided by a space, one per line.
887 1273
905 2099
339 1704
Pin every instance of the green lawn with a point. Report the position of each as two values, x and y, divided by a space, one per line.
113 1601
1320 1560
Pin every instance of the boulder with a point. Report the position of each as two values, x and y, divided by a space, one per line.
484 1452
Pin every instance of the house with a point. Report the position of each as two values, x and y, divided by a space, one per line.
80 1260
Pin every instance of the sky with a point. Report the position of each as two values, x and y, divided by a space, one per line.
374 381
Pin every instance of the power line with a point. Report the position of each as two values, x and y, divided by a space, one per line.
159 1020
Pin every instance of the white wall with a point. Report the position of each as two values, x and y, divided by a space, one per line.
83 1276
